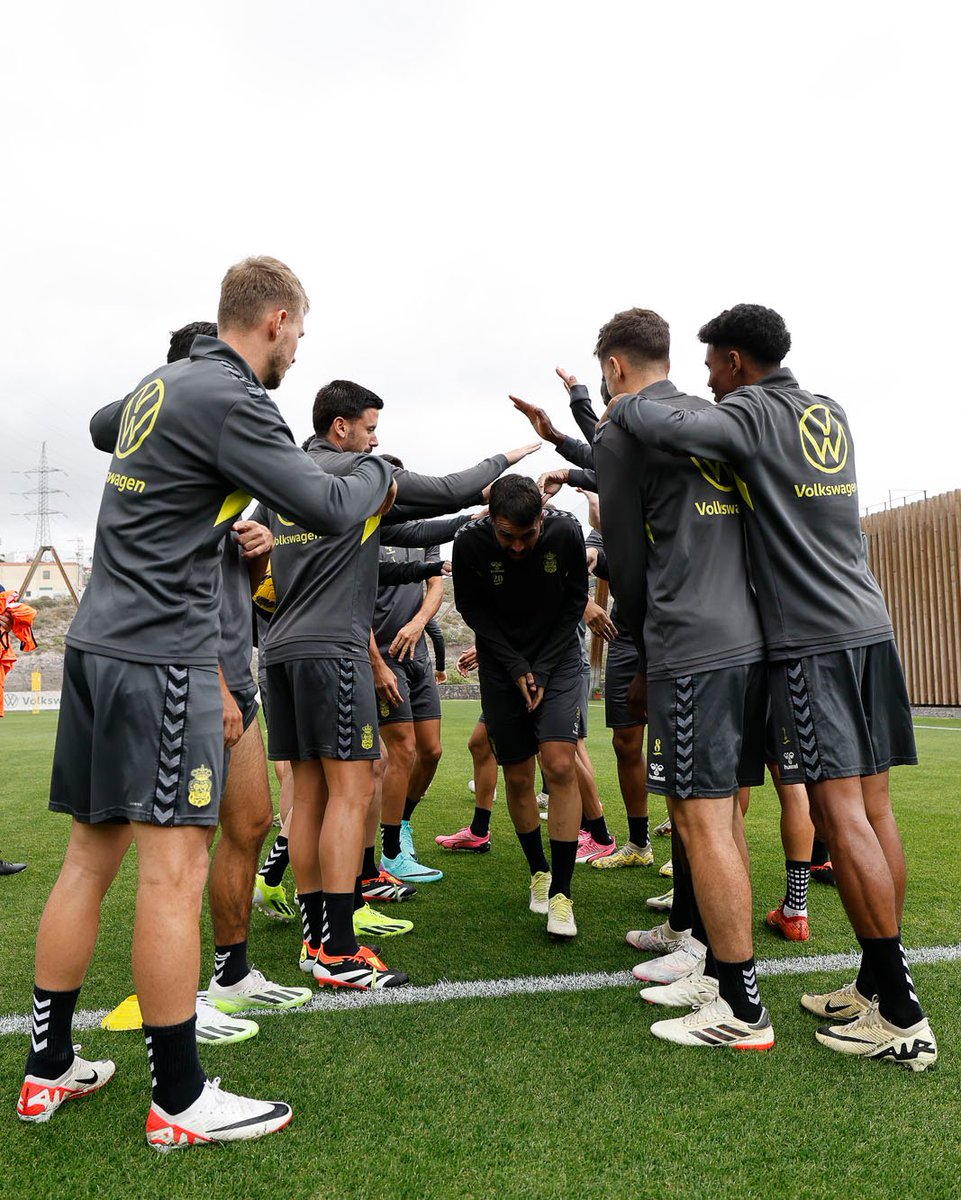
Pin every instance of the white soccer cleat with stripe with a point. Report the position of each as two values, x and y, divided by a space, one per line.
716 1025
215 1028
255 991
842 1005
215 1116
871 1036
40 1098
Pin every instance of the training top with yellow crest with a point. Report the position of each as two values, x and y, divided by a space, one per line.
191 444
793 461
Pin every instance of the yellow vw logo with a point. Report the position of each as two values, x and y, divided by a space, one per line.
139 417
717 474
824 442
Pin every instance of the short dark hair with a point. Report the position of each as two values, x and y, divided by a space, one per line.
341 398
516 498
182 339
393 460
639 333
751 328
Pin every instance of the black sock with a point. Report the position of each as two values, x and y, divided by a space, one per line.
338 933
275 864
480 826
51 1039
709 970
798 878
599 831
178 1078
230 964
737 984
533 846
312 916
819 853
697 925
682 903
370 863
893 985
563 857
390 840
359 900
409 806
639 831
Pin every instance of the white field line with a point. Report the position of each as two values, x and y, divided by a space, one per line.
522 985
941 728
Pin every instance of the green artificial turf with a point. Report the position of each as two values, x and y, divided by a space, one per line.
532 1095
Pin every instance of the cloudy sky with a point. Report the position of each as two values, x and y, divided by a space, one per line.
468 191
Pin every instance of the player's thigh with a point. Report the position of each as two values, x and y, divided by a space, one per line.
154 751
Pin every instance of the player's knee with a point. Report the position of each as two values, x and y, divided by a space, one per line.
627 745
430 755
557 763
402 755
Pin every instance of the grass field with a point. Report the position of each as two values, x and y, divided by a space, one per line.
545 1095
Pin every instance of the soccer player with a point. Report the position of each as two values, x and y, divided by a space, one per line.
520 582
140 736
837 689
245 810
675 547
627 733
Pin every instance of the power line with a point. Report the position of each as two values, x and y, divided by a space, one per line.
43 491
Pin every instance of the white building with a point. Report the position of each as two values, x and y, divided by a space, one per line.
46 581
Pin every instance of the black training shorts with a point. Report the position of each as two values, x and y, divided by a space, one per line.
138 742
514 733
622 663
322 708
420 699
841 714
706 732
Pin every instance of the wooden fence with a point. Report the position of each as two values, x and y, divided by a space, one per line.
915 554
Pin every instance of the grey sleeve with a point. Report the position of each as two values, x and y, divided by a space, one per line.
582 479
730 431
105 425
257 452
426 495
583 411
576 452
421 533
625 534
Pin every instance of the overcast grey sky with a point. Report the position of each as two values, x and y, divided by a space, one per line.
468 191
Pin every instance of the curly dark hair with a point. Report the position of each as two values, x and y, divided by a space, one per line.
516 498
182 339
751 328
637 332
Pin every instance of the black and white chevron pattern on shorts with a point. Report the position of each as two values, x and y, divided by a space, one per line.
345 708
803 721
40 1024
172 729
683 736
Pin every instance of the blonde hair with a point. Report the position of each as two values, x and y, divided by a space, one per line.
255 286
